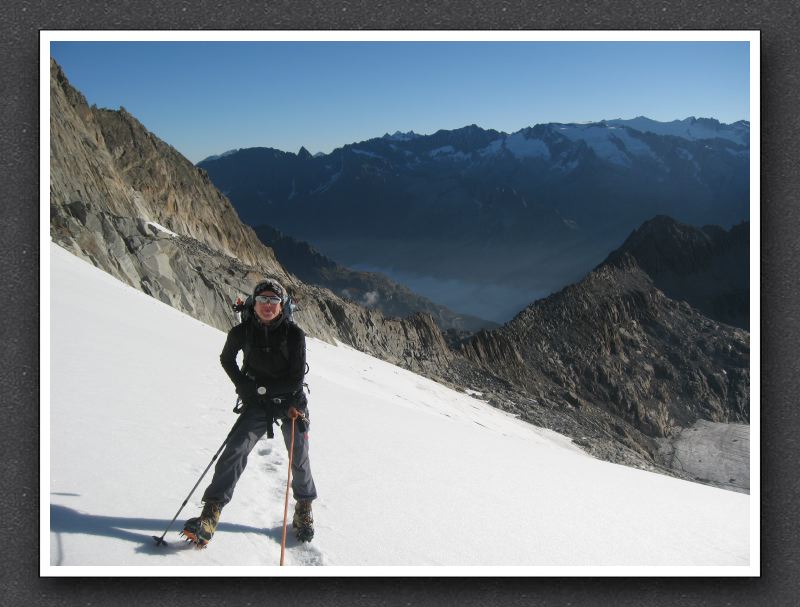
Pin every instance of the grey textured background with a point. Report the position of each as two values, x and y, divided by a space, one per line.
19 371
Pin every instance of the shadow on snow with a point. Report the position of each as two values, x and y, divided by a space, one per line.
67 520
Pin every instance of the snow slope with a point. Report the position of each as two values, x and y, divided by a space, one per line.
410 474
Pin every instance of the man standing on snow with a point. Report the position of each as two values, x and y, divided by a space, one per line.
270 385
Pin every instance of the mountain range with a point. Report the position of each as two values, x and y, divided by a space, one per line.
456 212
613 360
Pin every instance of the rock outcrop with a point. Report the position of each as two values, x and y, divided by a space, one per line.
133 206
616 342
109 161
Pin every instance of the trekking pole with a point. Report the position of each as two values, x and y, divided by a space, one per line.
286 503
160 540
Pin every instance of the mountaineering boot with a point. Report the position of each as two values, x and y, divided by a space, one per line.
200 529
303 521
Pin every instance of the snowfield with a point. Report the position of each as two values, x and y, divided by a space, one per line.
413 478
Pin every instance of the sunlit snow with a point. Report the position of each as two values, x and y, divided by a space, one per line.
613 145
409 473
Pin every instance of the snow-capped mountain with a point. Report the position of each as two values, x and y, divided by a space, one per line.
530 211
690 128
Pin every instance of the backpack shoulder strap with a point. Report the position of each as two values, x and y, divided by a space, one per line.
248 345
291 326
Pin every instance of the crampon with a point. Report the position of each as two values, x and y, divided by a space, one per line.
197 531
303 522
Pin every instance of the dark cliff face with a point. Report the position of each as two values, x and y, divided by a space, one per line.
617 342
707 267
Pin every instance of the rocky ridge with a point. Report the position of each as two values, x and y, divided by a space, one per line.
614 342
133 206
108 160
707 267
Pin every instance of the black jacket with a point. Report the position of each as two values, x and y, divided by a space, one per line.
275 355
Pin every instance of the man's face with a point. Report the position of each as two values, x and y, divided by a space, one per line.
269 308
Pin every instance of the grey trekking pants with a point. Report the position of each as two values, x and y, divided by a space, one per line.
233 460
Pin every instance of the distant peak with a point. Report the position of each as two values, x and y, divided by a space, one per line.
659 241
218 156
399 136
660 223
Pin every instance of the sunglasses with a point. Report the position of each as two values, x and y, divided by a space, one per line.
272 299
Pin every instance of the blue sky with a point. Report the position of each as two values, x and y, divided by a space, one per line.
205 98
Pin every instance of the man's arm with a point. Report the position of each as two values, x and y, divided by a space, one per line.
233 345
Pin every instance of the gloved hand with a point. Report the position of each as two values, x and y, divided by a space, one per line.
301 421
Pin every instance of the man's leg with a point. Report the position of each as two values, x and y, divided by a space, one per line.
302 482
303 487
233 460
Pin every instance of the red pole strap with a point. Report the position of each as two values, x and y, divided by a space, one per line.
286 503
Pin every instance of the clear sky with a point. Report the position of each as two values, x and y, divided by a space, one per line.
205 98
